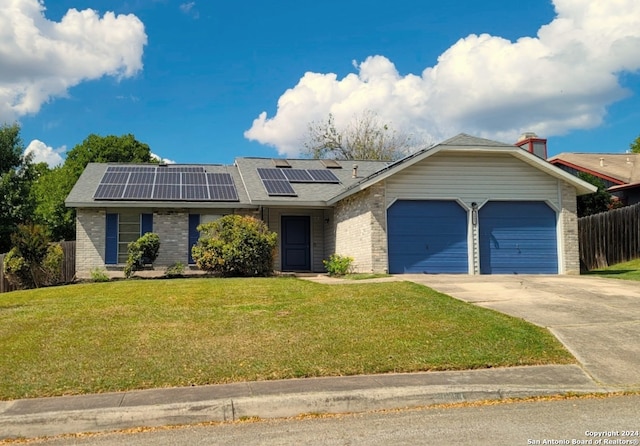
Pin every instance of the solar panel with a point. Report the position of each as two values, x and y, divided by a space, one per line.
141 177
271 174
167 192
279 187
190 183
109 191
195 192
219 179
138 191
197 178
297 176
223 192
323 176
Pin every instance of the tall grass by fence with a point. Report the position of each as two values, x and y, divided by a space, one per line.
68 272
609 237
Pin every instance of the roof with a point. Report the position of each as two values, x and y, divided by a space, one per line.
619 168
252 193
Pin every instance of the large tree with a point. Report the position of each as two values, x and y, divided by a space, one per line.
17 174
365 137
52 187
599 201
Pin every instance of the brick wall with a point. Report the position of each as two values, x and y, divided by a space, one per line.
360 224
569 226
90 241
172 226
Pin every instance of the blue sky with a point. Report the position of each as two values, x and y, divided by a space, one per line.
205 82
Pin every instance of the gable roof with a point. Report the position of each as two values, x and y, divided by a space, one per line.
464 143
618 168
252 193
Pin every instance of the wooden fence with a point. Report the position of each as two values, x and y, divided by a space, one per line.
609 237
68 272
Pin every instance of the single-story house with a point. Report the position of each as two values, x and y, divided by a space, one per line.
467 205
618 171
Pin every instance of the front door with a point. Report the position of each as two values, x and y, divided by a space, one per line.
296 246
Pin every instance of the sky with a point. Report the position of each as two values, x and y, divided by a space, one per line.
208 81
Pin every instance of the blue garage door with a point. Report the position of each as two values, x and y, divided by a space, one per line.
427 237
518 238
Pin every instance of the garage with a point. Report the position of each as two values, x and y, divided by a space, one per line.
518 237
427 236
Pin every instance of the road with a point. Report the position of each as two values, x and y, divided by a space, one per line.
569 421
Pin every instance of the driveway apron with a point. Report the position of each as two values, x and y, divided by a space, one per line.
597 319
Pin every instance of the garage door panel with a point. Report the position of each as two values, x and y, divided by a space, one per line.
518 237
427 237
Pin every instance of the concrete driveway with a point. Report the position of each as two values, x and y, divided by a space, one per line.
597 319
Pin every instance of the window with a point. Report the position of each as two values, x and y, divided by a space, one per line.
122 229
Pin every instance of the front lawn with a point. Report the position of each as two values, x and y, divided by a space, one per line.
628 270
157 333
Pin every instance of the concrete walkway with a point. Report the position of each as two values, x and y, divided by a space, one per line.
597 319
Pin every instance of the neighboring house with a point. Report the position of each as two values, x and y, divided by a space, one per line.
467 205
618 171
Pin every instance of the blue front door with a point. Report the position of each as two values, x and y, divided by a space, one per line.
296 246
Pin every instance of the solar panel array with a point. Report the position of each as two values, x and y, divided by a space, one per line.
182 183
277 182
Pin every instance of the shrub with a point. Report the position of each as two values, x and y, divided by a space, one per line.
99 275
235 245
175 270
142 252
33 261
338 265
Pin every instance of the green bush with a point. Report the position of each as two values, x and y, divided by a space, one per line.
338 265
235 245
142 252
99 275
175 270
33 261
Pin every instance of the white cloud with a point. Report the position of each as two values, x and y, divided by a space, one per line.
188 8
162 160
41 59
43 153
560 80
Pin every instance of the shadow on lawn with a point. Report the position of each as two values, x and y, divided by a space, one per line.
608 272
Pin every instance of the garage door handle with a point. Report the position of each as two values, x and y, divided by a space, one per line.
426 247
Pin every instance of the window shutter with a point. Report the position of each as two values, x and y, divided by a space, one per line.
111 241
194 221
146 223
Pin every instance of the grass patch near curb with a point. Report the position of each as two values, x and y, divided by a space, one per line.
100 337
627 270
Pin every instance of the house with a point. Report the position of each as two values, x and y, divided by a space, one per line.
467 205
618 171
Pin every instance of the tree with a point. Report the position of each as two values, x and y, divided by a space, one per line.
107 149
52 187
17 174
635 145
599 201
366 137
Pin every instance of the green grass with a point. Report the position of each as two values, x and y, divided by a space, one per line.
627 270
100 337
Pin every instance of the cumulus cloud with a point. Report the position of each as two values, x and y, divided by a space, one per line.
43 153
162 160
41 59
560 80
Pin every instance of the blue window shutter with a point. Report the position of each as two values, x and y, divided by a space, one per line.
111 242
146 223
194 221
